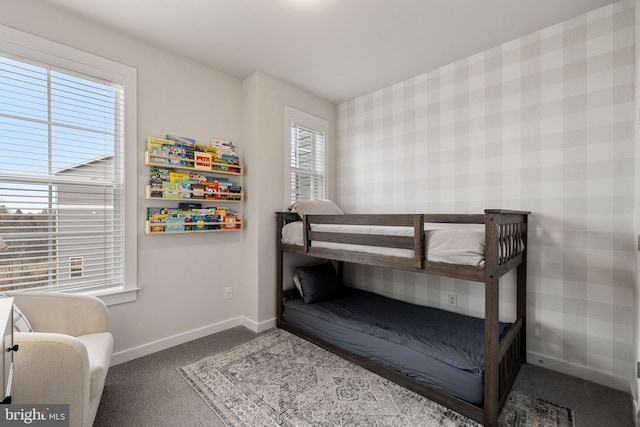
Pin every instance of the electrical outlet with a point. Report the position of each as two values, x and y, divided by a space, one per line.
453 300
228 293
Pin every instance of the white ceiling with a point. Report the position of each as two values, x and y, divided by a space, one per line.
337 49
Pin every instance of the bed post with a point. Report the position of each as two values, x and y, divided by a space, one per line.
491 298
521 281
279 267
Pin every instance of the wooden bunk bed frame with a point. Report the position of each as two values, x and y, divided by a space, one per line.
503 230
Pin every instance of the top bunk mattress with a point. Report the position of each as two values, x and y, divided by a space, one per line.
462 244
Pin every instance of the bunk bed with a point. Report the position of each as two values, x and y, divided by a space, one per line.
412 244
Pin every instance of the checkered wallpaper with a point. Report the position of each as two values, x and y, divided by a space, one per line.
543 123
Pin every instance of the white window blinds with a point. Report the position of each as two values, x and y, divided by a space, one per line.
61 178
307 163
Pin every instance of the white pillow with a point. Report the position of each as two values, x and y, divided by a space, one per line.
20 322
296 281
292 234
316 207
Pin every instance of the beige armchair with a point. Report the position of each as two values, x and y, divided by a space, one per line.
66 359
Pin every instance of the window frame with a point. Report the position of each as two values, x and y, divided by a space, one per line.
32 47
293 116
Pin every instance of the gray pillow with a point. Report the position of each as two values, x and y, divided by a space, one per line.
319 282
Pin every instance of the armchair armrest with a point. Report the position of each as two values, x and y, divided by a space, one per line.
69 314
52 368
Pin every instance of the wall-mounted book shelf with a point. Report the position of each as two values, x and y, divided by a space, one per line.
191 196
198 220
193 176
179 163
154 228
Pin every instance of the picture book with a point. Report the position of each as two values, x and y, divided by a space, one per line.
214 222
160 173
230 222
189 206
199 222
156 211
186 185
196 176
202 160
156 187
235 192
211 190
177 154
174 223
223 189
158 153
189 152
158 142
208 149
178 176
156 219
223 147
197 191
231 159
170 190
181 139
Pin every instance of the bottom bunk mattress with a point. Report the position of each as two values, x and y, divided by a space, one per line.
442 349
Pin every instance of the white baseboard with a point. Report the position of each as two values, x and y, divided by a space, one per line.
165 343
259 327
598 377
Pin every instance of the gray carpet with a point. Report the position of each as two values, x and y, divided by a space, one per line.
150 392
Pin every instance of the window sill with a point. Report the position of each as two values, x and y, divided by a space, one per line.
116 296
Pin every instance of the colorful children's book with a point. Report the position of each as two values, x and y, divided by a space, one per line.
199 223
174 223
235 192
170 190
202 161
177 155
230 222
156 218
181 139
178 176
197 191
223 187
214 222
156 187
158 153
158 142
223 147
186 185
196 176
211 190
159 173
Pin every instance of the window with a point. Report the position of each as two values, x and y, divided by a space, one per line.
64 206
75 266
305 156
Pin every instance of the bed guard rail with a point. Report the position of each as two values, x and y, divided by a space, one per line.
414 242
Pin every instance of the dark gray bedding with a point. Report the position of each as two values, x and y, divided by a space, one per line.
443 349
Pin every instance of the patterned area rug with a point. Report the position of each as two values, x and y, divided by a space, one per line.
279 379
